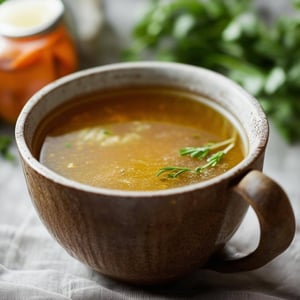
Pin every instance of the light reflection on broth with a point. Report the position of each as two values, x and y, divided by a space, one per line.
120 139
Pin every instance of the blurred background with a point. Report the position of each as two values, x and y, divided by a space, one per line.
255 43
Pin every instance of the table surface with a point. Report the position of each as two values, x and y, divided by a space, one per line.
32 263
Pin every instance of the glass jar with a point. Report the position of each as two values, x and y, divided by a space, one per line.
35 49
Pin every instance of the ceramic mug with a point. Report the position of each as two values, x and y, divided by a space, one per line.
154 237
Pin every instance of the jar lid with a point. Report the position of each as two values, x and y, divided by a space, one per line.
20 18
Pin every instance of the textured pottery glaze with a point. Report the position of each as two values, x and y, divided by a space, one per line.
154 237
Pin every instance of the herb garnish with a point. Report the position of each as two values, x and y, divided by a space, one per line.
199 153
5 143
230 37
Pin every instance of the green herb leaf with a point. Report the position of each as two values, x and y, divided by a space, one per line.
199 153
212 161
173 172
5 143
195 152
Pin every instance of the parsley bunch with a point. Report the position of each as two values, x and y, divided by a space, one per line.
230 37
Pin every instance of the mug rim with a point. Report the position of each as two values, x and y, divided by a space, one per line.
46 172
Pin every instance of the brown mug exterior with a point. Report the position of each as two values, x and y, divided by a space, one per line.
155 237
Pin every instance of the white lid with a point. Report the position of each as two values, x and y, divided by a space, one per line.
19 18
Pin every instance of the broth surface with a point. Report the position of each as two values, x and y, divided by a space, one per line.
121 139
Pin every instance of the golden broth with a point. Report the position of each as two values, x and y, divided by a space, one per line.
121 139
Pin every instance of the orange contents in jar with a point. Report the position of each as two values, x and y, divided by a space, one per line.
28 62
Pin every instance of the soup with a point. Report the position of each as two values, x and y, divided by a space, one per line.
139 139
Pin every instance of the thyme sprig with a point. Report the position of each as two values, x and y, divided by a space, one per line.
200 153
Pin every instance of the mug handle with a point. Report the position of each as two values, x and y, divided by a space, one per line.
276 220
